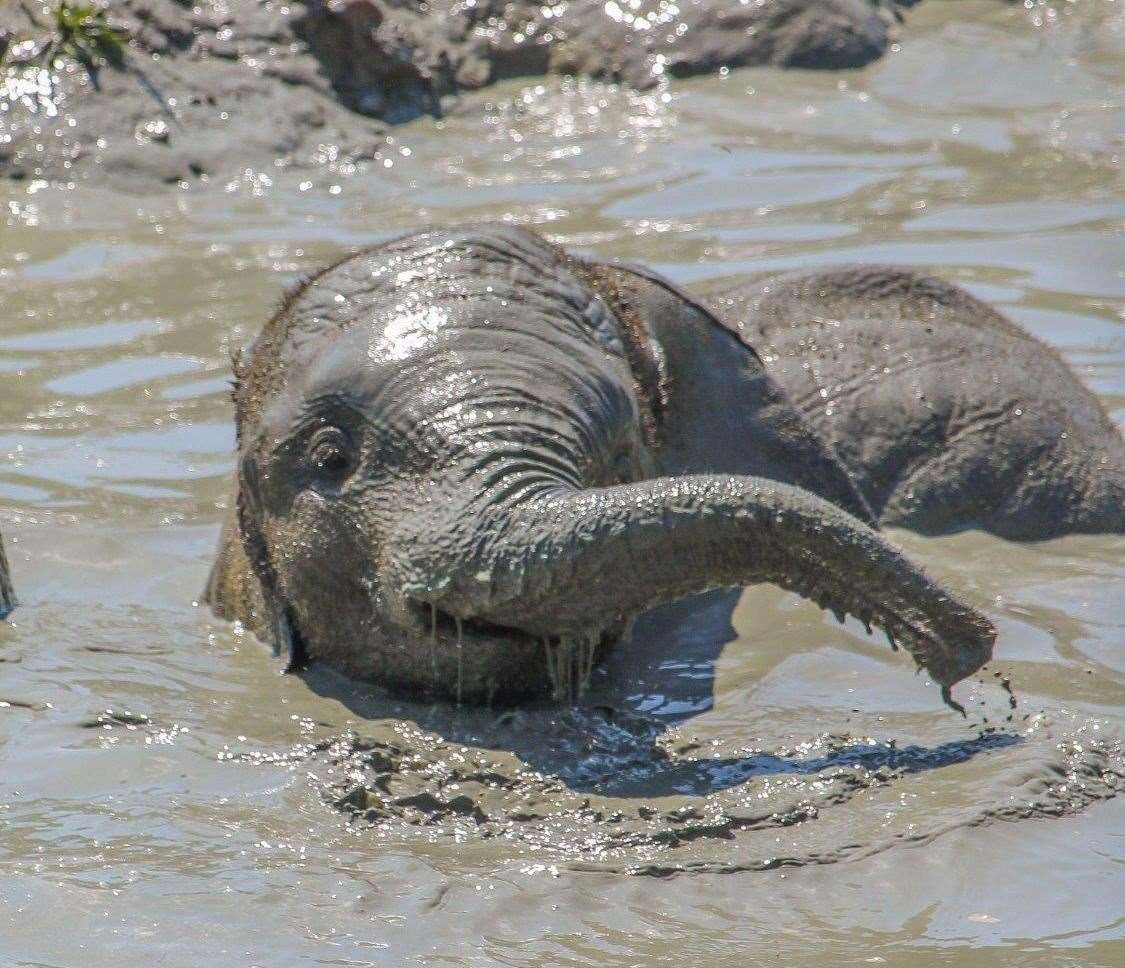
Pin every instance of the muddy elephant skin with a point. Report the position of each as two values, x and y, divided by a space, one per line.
946 414
468 460
7 593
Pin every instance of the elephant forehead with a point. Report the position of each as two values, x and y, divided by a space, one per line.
441 316
373 348
406 292
410 364
434 338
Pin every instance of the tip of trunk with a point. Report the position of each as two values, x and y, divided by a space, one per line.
948 638
960 649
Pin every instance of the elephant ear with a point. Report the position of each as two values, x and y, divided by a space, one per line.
722 411
243 585
278 622
7 593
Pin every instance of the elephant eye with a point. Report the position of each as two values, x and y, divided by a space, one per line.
330 453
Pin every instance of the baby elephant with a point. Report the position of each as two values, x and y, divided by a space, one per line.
467 460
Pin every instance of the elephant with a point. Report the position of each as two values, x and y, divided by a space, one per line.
467 460
7 593
945 413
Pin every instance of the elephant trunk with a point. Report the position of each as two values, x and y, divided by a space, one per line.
573 563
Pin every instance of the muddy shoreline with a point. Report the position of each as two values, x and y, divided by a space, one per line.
215 88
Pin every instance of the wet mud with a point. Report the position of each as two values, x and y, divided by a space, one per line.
590 790
186 96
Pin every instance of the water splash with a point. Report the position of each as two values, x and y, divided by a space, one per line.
629 799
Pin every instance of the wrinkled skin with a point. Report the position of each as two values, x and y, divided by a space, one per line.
947 415
7 593
467 461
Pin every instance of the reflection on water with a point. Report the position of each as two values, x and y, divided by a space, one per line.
164 791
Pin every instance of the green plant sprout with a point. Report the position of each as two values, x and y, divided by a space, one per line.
83 33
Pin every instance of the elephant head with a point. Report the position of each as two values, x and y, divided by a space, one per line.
445 484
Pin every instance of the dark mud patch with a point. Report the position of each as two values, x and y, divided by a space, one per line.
114 718
633 800
124 650
34 705
110 727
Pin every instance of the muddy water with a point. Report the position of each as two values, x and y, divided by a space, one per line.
776 789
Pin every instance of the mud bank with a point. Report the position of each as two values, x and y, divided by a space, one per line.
216 87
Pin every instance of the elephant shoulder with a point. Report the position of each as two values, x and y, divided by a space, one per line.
946 412
893 295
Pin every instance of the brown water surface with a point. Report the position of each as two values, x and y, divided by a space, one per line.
785 792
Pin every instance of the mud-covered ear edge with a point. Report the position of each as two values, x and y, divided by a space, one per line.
285 637
8 600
